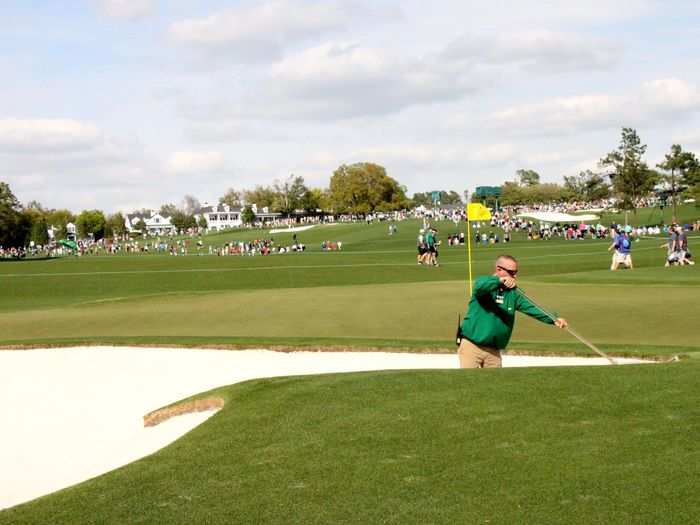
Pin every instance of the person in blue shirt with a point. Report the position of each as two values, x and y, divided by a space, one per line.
623 253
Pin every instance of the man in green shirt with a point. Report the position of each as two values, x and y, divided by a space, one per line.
488 325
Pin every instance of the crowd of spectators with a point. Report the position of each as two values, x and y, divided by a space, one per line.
331 245
256 247
13 253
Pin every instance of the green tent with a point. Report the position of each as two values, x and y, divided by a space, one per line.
69 244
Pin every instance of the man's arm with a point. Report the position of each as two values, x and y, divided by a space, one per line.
486 285
523 305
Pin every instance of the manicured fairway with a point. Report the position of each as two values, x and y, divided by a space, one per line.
370 294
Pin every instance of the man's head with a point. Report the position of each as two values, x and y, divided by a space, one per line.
506 266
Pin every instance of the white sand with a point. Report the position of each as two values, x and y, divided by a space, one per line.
553 216
292 230
71 414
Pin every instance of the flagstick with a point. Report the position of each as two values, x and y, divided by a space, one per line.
480 213
469 252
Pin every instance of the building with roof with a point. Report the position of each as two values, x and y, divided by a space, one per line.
156 224
221 216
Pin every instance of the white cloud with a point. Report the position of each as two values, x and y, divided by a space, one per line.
193 162
558 115
669 94
343 80
541 50
261 31
19 136
126 9
439 156
688 139
337 80
518 14
658 100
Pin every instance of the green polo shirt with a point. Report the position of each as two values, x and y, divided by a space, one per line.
491 314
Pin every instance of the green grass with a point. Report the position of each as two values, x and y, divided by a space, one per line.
370 294
607 314
564 445
567 445
685 214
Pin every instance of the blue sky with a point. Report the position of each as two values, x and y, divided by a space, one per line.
124 104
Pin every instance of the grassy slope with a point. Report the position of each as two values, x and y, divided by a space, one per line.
568 445
372 293
685 214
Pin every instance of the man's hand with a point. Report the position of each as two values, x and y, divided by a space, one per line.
508 282
561 323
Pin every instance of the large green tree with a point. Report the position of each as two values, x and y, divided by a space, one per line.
528 177
59 219
631 177
40 232
248 215
166 210
117 224
91 223
365 187
691 177
315 199
232 198
289 194
141 226
512 194
545 192
586 186
261 196
422 199
182 220
451 197
426 198
15 226
677 163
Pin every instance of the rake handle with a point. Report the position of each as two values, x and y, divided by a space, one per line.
570 330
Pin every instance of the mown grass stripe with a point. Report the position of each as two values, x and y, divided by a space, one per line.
295 267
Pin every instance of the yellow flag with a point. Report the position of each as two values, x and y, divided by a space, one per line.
478 212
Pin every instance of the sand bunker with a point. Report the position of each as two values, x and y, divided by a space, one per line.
71 414
292 230
552 216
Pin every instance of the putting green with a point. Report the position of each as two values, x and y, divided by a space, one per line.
370 294
606 314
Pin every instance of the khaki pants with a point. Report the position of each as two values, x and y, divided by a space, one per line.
475 356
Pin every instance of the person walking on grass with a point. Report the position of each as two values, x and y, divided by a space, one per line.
616 237
422 250
433 248
488 324
623 252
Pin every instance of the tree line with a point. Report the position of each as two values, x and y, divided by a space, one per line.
622 173
21 225
359 188
365 187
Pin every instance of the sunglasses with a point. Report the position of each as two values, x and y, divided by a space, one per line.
512 273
